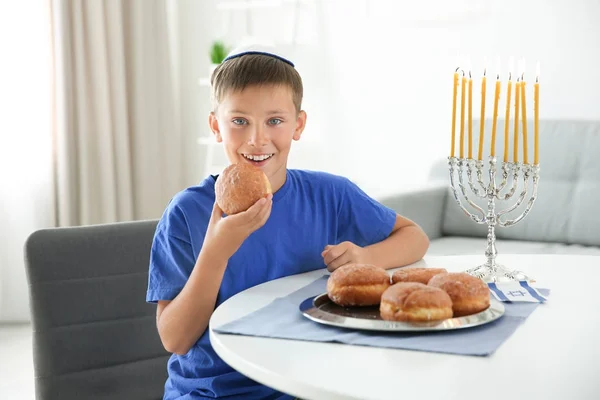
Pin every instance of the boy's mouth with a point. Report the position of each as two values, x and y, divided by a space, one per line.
257 158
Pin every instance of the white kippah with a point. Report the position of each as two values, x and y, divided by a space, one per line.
255 48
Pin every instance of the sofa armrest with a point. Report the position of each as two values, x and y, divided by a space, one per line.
424 206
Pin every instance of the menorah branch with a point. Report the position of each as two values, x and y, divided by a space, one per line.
505 171
479 192
535 170
516 168
453 162
490 271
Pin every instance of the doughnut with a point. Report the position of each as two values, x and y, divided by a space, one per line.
239 186
357 285
421 275
469 294
415 302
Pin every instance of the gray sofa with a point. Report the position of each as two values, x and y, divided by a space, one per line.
564 217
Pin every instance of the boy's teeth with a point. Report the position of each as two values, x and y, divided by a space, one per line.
257 158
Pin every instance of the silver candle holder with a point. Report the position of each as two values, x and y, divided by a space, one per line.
491 271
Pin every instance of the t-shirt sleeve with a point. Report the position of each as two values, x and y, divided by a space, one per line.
171 257
361 219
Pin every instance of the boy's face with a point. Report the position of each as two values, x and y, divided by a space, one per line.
257 126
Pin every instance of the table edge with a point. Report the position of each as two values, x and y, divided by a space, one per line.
269 378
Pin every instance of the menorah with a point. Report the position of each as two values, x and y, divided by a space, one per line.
474 184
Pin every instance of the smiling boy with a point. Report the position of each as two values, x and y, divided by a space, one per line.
200 258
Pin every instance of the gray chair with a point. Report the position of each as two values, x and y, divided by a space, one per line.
94 335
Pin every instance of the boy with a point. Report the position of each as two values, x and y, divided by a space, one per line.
200 258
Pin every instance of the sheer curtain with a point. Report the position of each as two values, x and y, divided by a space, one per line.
118 141
89 129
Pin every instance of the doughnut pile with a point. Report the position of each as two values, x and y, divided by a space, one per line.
409 294
239 186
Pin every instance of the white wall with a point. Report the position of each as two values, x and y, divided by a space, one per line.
25 120
407 106
378 74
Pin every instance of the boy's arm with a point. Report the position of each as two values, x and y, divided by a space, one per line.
407 244
183 320
363 235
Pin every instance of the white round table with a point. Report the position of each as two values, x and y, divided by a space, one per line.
554 354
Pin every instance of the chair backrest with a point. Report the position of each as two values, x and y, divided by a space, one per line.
569 186
94 335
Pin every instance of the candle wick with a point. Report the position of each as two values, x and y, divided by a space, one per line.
536 79
469 74
498 76
510 76
484 71
457 68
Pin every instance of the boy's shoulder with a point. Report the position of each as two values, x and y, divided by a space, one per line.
319 178
192 201
201 192
337 186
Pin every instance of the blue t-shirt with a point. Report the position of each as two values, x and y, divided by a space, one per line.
310 211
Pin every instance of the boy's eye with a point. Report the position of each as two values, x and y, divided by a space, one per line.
275 121
239 121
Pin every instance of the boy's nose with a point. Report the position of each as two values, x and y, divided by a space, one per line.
258 137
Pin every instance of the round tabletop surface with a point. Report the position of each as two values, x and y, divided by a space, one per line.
554 353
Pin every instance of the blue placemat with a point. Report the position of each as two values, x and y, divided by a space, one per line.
282 319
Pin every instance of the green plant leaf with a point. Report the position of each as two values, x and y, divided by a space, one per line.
218 52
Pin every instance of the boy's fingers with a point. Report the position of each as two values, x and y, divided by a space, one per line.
333 253
264 207
248 216
338 262
263 215
329 246
261 207
217 213
255 209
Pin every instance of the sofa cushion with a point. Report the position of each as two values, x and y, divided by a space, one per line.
457 245
568 191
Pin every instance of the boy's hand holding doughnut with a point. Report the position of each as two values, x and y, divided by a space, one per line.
243 193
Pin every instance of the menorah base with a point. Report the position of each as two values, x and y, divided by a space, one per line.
498 273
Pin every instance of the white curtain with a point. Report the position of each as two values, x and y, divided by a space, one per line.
89 125
118 143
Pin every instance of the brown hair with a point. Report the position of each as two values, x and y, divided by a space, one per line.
238 73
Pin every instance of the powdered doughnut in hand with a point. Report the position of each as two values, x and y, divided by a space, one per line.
239 186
